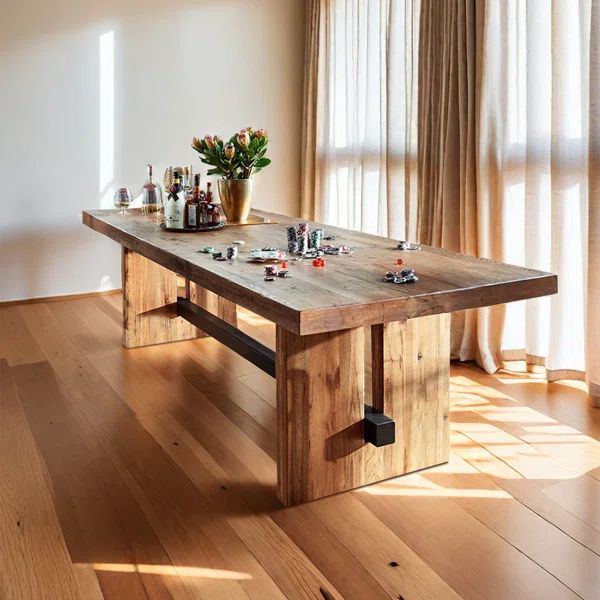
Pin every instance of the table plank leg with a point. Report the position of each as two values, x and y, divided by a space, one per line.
320 405
149 304
410 384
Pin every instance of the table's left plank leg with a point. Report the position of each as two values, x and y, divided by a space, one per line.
149 304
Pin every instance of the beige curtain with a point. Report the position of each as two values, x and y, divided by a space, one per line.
360 118
508 144
514 176
593 271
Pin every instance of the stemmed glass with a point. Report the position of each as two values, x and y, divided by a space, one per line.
123 198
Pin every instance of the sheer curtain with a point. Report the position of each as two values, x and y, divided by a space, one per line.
360 115
539 58
513 176
508 152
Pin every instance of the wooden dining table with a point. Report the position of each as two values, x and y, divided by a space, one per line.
361 364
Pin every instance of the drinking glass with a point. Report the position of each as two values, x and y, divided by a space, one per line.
123 199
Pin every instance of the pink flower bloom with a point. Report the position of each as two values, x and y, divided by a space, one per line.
209 141
261 134
229 151
243 139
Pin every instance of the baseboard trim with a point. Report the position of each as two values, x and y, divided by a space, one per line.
4 303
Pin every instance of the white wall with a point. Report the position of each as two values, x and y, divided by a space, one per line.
90 91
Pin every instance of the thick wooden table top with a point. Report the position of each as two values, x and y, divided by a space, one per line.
348 292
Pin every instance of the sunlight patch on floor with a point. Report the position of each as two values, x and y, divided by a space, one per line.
178 571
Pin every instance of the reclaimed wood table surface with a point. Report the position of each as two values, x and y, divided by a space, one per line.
342 335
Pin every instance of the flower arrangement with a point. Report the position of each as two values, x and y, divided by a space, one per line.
239 158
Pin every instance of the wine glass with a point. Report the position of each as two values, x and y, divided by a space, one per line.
123 199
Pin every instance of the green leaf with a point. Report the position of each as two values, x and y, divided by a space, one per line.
262 162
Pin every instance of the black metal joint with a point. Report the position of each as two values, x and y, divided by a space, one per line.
379 429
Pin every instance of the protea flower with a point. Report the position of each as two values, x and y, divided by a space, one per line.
209 140
243 139
196 144
261 134
229 151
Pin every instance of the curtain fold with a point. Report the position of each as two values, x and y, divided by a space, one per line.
528 191
360 115
593 272
473 125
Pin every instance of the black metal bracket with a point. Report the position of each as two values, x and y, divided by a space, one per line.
238 341
380 430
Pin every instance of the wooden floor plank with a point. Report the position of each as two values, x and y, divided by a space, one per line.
572 489
399 570
446 536
17 344
34 561
253 518
573 564
157 464
188 524
93 395
89 327
529 492
100 519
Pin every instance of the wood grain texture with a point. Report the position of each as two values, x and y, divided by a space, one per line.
410 373
349 292
31 540
149 294
147 456
216 305
320 405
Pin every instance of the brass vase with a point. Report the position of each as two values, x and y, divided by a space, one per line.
236 197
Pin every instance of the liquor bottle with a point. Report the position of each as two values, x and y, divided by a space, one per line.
216 215
209 194
151 194
192 205
187 179
168 179
175 204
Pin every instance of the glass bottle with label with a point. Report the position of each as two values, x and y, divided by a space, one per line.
175 204
192 205
151 194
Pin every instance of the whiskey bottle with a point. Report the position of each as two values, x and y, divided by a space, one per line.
192 205
175 204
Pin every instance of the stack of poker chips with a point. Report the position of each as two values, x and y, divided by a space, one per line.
292 240
302 237
232 252
309 244
316 237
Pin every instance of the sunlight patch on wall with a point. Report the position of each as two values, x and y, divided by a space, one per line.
107 118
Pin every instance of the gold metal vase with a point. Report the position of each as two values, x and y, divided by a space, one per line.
236 198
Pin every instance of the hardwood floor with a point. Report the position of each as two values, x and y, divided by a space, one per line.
150 473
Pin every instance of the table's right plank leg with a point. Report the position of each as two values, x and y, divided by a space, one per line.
321 448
